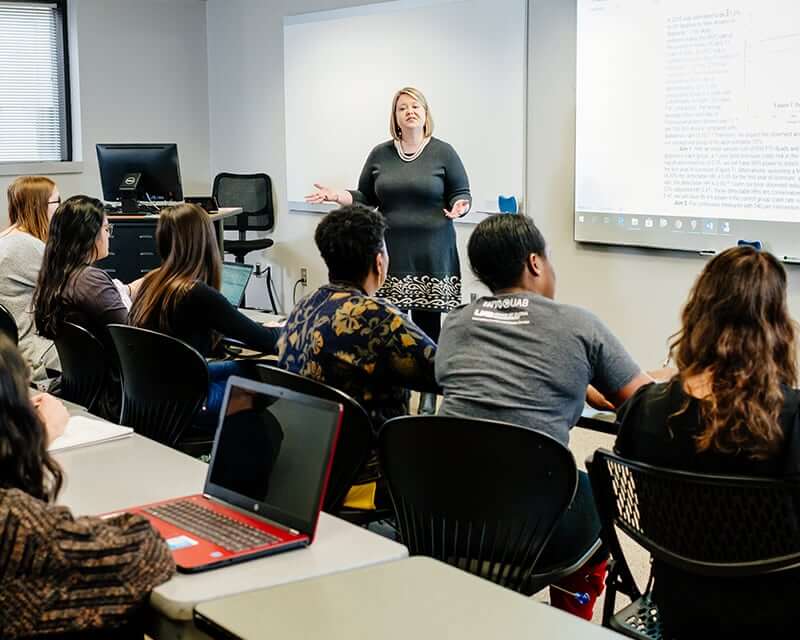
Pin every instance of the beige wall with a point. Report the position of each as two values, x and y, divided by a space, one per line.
142 77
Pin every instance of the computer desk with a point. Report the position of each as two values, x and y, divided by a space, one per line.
417 598
114 475
132 249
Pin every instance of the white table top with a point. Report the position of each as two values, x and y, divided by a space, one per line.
134 471
263 317
416 598
221 214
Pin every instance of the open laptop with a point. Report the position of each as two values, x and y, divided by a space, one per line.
235 277
265 484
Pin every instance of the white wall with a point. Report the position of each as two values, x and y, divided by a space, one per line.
142 77
637 293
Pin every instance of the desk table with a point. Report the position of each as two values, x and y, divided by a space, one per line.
132 248
416 598
602 421
134 471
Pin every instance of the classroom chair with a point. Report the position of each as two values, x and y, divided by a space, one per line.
356 441
164 383
253 193
703 524
8 324
86 367
481 495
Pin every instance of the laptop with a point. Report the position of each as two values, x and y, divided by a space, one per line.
265 483
235 277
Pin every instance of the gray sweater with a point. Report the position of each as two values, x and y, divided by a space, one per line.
20 260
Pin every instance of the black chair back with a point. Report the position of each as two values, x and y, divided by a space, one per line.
481 495
253 193
86 366
164 382
355 438
8 324
709 525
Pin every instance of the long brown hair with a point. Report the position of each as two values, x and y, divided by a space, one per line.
188 248
25 463
69 249
737 329
28 198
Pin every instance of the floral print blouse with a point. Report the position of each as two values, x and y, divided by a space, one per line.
361 345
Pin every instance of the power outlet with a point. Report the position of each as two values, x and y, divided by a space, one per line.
304 276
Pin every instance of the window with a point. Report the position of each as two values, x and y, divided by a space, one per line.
34 87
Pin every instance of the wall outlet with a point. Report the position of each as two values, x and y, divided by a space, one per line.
304 276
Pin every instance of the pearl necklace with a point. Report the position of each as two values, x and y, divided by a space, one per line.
409 157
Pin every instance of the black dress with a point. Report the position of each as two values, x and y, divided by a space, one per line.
424 271
692 605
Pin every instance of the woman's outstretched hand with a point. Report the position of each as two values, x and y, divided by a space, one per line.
322 194
460 207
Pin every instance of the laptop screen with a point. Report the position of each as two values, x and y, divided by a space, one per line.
235 277
272 452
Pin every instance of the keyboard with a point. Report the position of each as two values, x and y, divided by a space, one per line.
223 531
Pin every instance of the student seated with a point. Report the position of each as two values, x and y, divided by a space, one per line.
182 297
345 337
58 573
70 288
520 357
731 409
32 200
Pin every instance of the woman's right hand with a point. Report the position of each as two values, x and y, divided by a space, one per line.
322 194
52 413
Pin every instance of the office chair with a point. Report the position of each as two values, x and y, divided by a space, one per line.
702 524
8 324
356 441
253 193
481 495
164 382
86 367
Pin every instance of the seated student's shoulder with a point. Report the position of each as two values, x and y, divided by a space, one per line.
95 276
579 316
20 245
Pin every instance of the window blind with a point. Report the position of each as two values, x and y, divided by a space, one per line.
33 91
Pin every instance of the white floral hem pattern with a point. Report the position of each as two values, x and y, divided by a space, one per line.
422 292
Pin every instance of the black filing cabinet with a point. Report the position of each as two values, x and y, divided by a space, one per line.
132 251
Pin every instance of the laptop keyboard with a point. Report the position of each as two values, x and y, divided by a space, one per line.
223 531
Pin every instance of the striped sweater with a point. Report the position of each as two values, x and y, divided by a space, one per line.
60 574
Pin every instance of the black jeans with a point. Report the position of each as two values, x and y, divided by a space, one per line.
576 532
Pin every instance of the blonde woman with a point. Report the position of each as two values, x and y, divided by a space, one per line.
32 200
419 184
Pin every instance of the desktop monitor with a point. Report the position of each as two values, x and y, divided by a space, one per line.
133 172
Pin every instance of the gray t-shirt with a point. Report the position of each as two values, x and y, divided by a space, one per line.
525 359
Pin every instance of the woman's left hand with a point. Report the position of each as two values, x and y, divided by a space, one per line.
460 207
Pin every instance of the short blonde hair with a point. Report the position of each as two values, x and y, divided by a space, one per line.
394 128
28 198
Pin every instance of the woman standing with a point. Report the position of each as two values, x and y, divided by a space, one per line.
419 184
32 200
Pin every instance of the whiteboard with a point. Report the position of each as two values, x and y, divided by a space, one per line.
342 68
